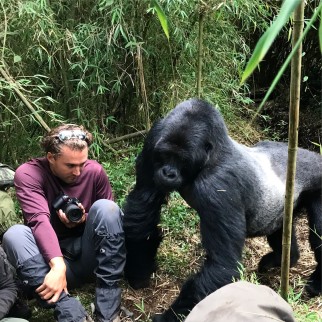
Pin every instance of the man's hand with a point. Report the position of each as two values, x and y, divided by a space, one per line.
63 218
54 282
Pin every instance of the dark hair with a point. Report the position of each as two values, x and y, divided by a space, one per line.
52 143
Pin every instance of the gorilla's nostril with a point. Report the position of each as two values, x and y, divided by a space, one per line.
171 175
169 172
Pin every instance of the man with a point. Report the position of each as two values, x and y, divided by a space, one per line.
10 310
66 240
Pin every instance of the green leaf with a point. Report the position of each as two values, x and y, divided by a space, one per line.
104 4
162 17
287 61
17 59
269 36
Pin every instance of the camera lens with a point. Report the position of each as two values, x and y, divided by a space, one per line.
73 212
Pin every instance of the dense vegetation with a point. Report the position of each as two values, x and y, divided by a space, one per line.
108 65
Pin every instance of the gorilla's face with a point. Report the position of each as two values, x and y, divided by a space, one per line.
169 169
178 159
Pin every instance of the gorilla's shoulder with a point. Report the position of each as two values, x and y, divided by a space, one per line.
270 144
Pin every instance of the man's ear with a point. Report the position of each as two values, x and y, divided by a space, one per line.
50 157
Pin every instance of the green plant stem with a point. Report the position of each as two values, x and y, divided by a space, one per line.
295 90
200 51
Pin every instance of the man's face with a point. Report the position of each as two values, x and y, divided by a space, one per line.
69 164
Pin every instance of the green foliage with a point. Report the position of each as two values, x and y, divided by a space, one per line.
302 308
78 62
269 36
245 276
140 307
180 226
289 57
162 17
177 214
120 170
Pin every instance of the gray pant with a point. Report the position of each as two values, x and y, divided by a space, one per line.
99 252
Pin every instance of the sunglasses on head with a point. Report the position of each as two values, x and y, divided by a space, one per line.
71 134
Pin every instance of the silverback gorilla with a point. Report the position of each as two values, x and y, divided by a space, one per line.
238 192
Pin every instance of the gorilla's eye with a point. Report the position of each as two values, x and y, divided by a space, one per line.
208 147
159 157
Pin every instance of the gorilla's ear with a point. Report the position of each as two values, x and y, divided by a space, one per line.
208 147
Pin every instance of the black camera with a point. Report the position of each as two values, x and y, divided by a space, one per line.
69 206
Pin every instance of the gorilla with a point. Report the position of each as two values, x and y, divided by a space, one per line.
237 191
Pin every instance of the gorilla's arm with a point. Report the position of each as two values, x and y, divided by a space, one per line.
141 217
223 231
143 204
142 236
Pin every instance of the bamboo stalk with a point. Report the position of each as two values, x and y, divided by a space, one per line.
200 51
126 137
143 87
23 98
295 86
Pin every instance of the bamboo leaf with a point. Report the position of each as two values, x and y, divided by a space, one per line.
162 17
17 59
287 61
269 36
104 4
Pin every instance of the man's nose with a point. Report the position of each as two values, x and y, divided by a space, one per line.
77 171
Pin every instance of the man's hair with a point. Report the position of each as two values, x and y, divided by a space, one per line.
52 142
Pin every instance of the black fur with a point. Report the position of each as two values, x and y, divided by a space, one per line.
237 191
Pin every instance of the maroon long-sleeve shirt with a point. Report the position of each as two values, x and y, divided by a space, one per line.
36 189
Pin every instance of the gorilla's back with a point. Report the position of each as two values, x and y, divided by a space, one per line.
268 162
308 164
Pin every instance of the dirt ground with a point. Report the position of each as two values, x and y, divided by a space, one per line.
165 288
